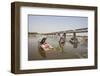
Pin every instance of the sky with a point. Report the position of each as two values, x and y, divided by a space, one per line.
47 24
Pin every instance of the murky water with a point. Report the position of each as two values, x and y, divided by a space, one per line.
34 53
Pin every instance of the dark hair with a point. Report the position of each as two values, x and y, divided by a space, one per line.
43 40
64 34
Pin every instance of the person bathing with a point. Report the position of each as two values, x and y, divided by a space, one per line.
62 41
44 45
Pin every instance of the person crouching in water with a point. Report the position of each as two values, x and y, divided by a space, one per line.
44 45
62 41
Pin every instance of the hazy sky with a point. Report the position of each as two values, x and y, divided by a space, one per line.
46 24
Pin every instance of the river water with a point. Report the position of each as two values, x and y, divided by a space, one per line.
69 52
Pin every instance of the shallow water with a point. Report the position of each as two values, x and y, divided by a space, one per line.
34 53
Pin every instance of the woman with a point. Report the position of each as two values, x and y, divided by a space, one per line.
44 45
62 41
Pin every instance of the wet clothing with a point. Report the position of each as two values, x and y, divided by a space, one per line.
62 40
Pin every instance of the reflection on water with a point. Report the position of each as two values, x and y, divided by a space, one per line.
42 52
37 53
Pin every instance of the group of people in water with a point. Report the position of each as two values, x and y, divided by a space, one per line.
45 46
62 40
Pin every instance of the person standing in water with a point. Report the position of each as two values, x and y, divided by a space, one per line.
62 41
